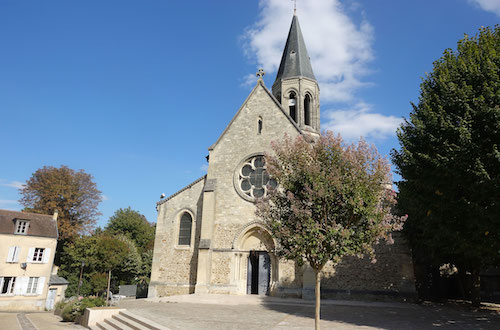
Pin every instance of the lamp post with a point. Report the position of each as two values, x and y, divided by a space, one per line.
81 274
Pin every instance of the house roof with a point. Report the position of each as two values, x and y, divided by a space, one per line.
57 280
295 61
39 224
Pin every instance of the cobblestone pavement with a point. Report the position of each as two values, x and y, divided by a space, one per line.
249 312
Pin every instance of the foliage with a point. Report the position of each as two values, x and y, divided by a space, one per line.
450 158
75 307
332 201
72 193
99 253
133 225
99 283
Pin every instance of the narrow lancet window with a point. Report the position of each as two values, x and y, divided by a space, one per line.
259 126
292 104
307 110
185 229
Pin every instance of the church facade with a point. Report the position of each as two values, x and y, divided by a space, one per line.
208 238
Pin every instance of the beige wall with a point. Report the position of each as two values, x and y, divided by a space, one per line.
21 300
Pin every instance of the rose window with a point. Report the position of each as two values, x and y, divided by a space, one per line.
253 179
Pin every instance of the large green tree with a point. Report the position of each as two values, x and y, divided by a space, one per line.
332 201
133 225
450 159
72 193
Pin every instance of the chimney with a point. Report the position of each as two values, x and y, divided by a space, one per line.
56 213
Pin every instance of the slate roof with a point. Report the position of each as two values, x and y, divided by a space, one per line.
39 224
295 61
57 280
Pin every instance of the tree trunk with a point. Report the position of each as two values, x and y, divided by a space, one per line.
318 299
107 291
476 288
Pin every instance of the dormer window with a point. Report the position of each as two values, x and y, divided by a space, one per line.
22 227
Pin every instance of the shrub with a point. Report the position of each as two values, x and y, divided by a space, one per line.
75 307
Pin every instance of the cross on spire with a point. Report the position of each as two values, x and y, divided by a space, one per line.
260 73
294 6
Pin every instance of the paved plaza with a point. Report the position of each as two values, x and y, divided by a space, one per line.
254 312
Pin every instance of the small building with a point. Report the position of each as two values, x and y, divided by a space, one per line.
27 248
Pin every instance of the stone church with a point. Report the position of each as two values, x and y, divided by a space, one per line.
208 238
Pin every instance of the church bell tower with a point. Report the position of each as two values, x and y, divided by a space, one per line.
295 86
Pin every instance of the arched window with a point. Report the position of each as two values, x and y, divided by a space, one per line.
307 110
292 104
185 229
259 126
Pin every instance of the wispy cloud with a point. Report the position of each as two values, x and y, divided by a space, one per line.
340 49
13 184
352 123
204 167
9 204
105 197
488 5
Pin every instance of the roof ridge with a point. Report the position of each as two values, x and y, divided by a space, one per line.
179 191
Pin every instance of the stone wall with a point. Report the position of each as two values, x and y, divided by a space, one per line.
174 267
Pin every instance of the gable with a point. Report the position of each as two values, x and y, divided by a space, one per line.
261 103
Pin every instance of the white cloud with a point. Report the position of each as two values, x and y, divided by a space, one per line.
339 48
488 5
105 198
204 167
360 121
9 204
13 184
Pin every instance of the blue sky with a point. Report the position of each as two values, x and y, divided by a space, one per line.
134 92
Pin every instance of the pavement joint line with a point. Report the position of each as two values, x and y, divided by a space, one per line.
25 323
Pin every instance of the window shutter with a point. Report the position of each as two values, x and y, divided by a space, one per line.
46 255
31 252
10 256
39 288
17 251
21 285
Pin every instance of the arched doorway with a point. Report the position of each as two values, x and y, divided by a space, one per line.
254 245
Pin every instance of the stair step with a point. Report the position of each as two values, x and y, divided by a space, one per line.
104 326
117 324
147 324
131 324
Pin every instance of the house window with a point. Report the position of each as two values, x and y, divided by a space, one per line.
13 255
38 255
22 227
7 285
292 104
307 110
185 229
32 285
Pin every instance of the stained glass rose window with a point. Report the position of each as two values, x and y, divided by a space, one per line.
253 179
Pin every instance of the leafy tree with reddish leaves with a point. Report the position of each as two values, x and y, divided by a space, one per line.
72 193
332 201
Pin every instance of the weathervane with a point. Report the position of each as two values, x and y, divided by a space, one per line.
260 73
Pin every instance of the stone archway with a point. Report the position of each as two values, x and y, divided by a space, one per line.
257 265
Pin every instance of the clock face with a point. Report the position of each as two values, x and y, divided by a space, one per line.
252 180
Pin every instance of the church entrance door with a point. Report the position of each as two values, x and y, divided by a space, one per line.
259 273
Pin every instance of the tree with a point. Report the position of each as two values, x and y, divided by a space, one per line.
133 225
331 201
72 193
450 159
